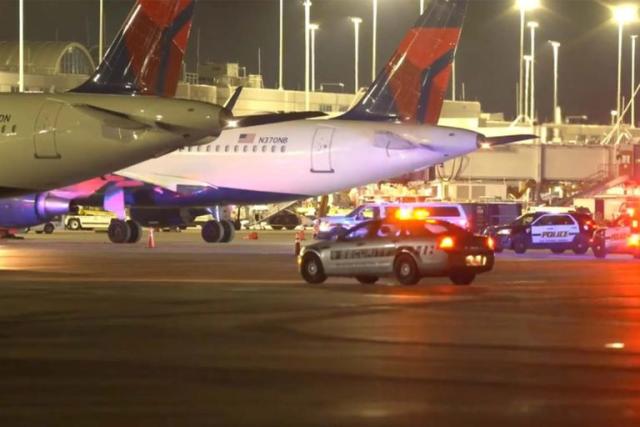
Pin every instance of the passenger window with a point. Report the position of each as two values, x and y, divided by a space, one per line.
245 148
236 149
545 221
255 148
226 148
564 220
217 148
264 148
4 128
273 148
283 149
13 129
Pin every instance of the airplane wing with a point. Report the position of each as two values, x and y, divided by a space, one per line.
167 182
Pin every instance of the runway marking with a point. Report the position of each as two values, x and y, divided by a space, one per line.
150 280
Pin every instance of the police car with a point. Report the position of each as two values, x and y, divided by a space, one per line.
558 232
407 250
623 237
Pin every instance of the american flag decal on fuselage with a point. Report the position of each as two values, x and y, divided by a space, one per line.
247 138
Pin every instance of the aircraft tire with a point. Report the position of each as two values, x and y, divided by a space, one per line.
228 231
212 232
135 232
119 231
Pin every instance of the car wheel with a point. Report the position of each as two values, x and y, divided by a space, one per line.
367 280
277 227
74 224
557 251
462 277
49 228
312 270
580 245
599 248
406 270
520 244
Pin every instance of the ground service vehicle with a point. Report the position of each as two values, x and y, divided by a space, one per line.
407 250
558 232
88 219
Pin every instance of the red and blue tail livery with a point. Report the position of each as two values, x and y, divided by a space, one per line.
412 86
146 56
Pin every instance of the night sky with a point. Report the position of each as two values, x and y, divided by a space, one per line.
234 30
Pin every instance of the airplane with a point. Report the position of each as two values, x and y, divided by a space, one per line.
48 141
390 132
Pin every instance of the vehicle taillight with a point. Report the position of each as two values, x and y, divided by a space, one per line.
447 243
634 241
634 224
491 243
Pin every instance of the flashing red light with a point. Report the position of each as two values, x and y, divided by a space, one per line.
631 212
491 243
421 214
634 224
403 214
634 241
447 243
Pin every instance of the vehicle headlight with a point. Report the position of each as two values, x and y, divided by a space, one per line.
506 232
325 226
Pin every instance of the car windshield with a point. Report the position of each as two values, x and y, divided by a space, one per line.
362 231
524 219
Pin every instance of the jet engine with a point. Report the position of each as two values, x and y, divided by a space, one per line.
31 210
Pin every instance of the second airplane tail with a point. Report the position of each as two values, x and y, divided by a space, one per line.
146 55
412 86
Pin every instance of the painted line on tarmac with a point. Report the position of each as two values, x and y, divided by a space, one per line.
150 280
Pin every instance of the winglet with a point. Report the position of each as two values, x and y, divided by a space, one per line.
231 102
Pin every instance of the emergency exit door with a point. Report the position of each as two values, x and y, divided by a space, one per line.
321 151
44 137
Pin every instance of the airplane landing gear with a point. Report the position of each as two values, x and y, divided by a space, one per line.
121 232
218 232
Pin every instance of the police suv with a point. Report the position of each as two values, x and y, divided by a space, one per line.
558 232
623 237
407 250
453 213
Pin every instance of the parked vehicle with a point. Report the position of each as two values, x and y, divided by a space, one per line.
88 219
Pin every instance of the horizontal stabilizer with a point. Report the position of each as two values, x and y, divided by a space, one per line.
111 118
495 141
268 119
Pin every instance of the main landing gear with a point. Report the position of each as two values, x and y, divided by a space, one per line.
122 232
218 231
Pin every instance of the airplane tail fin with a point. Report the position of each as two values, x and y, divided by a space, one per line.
412 86
146 55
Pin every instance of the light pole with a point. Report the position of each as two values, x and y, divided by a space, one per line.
623 15
375 41
527 63
313 28
101 32
633 80
307 24
421 7
356 28
556 48
21 47
281 47
524 6
533 26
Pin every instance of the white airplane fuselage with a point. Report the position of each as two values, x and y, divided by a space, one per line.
305 158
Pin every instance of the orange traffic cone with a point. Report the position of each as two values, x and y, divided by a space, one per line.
151 241
298 245
252 236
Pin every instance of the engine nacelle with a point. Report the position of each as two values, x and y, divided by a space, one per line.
31 210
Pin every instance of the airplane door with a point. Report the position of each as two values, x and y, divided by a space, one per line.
44 138
321 151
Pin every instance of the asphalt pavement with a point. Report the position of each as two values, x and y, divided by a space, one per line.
190 334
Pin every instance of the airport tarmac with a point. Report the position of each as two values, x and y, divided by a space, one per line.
189 334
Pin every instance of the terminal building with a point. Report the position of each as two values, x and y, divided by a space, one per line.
568 161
